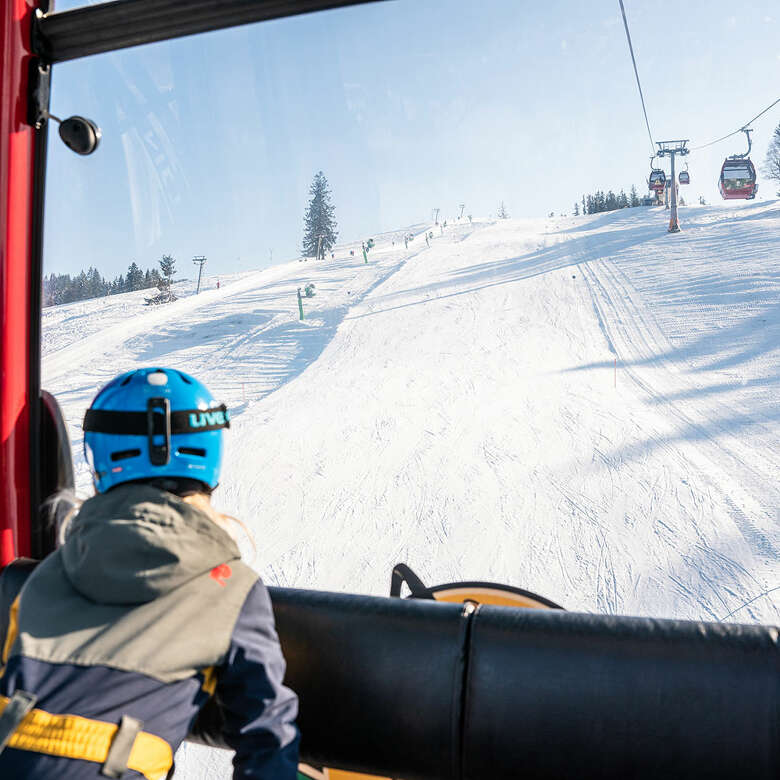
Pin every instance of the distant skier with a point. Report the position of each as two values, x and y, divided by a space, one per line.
218 284
406 242
145 616
427 242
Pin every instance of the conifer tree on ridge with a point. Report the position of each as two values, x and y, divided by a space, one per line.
319 222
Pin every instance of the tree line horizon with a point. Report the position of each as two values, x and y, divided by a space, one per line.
63 288
319 236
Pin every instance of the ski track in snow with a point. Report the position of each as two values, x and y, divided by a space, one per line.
459 408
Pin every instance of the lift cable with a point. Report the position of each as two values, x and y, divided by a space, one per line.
636 73
738 130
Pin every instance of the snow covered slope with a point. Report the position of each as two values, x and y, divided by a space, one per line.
586 407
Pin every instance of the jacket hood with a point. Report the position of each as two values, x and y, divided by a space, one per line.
136 542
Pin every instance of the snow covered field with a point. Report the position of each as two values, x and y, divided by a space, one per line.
585 407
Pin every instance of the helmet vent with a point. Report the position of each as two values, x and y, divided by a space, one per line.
199 451
157 378
184 378
123 454
125 380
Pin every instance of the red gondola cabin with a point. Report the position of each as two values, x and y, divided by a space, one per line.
738 179
657 180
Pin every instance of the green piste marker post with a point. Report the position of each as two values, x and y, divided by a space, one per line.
300 303
365 256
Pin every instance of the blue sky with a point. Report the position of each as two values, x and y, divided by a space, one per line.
210 142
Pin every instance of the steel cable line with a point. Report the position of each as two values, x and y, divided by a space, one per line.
760 595
739 130
636 73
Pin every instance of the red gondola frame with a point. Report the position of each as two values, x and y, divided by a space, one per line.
657 180
747 191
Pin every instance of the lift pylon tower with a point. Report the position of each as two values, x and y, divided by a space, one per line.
672 148
199 260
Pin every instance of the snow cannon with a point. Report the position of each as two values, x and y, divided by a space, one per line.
423 689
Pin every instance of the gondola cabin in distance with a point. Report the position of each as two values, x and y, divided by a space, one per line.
738 174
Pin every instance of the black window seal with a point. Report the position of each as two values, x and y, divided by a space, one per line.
94 29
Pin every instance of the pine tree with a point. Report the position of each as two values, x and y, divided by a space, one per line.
64 289
135 277
502 212
633 197
80 288
162 281
49 291
622 200
772 162
168 268
95 283
576 209
319 221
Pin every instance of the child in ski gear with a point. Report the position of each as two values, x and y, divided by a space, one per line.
145 623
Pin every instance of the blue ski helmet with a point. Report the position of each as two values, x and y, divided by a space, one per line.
154 422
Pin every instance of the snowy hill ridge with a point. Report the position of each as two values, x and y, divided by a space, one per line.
580 406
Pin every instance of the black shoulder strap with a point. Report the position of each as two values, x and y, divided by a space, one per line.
403 574
13 714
